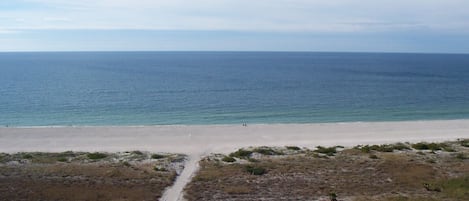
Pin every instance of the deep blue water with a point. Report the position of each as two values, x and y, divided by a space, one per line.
148 88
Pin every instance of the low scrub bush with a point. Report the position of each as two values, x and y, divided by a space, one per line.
464 142
382 148
294 148
27 156
62 159
241 153
330 151
456 188
255 170
228 159
432 146
266 151
462 156
137 152
96 155
157 156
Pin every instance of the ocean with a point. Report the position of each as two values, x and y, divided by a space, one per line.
159 88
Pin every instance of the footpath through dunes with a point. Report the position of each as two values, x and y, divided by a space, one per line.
193 140
176 191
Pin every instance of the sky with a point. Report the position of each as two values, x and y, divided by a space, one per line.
433 26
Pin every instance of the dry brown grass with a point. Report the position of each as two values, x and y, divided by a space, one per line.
351 174
237 189
47 179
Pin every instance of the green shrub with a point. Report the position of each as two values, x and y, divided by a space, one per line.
137 152
62 159
228 159
431 187
27 156
382 148
96 155
462 156
330 151
252 160
67 154
266 151
255 170
2 157
431 146
456 188
157 156
333 196
449 149
363 148
241 153
294 148
464 142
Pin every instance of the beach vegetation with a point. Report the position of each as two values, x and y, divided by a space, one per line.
228 159
432 146
241 153
177 159
27 156
464 142
67 154
253 160
333 196
255 170
397 198
461 156
330 151
157 156
237 190
382 148
456 188
294 148
62 159
4 157
137 152
266 151
96 155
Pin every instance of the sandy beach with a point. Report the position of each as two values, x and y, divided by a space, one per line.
200 139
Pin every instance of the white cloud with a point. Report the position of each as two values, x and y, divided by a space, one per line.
8 31
259 15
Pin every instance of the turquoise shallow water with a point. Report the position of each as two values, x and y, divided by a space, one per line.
151 88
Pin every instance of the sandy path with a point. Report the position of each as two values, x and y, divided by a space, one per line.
175 192
197 140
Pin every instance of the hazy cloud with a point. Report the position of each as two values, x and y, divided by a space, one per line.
309 25
243 15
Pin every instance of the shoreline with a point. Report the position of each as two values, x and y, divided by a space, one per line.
234 124
224 138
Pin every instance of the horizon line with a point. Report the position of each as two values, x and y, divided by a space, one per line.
226 51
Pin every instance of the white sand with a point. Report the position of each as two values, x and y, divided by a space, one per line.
197 141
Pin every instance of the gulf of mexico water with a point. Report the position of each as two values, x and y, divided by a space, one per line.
154 88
